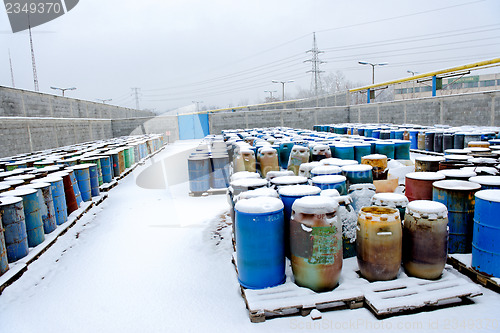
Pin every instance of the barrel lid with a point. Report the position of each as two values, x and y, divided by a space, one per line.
259 205
454 151
259 192
315 205
35 185
478 149
362 144
330 192
267 149
430 158
379 214
244 174
362 186
80 166
484 160
389 199
341 163
288 180
479 143
457 157
61 173
4 186
18 192
90 158
249 182
14 182
384 143
342 199
374 157
427 209
486 180
51 168
458 173
489 195
9 200
324 169
357 168
425 176
456 185
299 190
21 177
48 179
329 179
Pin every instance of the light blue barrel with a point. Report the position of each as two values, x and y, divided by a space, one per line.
74 184
32 214
458 197
199 173
344 151
402 149
58 197
46 205
486 233
360 150
385 148
368 132
220 171
358 174
414 139
260 242
82 174
336 182
16 240
94 179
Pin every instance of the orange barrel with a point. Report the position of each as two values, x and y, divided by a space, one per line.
379 165
392 200
268 158
418 185
316 243
245 161
427 163
425 239
379 243
74 183
479 144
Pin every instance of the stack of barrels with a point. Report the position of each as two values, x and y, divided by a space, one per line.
39 191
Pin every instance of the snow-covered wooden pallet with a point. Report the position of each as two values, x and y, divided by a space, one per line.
387 298
108 186
212 191
289 299
425 152
465 268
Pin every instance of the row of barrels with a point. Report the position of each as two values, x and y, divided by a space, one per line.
35 200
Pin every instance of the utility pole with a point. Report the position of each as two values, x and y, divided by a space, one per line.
136 93
35 77
11 71
316 85
283 86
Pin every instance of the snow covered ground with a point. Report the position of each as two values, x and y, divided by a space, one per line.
151 258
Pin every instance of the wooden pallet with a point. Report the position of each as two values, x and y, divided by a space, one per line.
474 275
407 294
425 152
108 186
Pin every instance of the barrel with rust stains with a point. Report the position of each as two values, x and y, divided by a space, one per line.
379 243
16 240
260 249
106 168
458 197
46 205
4 262
69 193
418 185
74 184
32 214
392 200
58 197
121 159
82 174
97 161
426 163
425 239
316 243
94 179
378 163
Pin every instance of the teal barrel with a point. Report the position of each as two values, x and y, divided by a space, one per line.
288 195
344 151
58 197
360 150
94 179
260 246
4 261
74 184
336 182
284 153
220 170
402 149
199 173
486 233
32 214
82 174
385 148
458 197
46 206
14 224
97 161
358 174
487 182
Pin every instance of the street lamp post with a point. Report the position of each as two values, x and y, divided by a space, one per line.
271 93
283 85
63 89
373 68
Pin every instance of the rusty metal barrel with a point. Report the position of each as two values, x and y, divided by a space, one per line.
425 239
4 262
392 200
69 193
379 243
74 184
16 240
418 185
46 205
97 161
58 197
316 243
458 197
427 163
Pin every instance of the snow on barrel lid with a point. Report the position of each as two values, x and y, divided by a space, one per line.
430 158
248 182
259 192
289 180
326 169
486 180
259 205
427 209
36 185
343 199
48 179
425 175
489 195
315 205
457 157
374 157
328 179
9 200
80 166
389 199
357 168
267 149
330 192
299 190
244 174
18 192
456 185
457 173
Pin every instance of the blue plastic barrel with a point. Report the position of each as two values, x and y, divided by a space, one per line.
358 174
344 151
486 233
46 206
360 150
220 171
458 197
284 153
74 184
199 173
94 179
402 149
58 197
385 148
414 139
376 133
82 174
398 134
260 242
336 182
32 214
16 240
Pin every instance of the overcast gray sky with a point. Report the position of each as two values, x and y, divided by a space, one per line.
227 52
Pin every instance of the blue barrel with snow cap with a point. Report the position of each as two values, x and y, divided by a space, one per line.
106 168
336 182
46 205
82 174
344 151
487 182
32 214
220 170
358 174
385 148
360 150
16 239
58 197
199 173
402 149
4 262
260 247
94 179
486 233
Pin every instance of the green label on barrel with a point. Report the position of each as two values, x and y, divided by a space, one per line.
325 245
